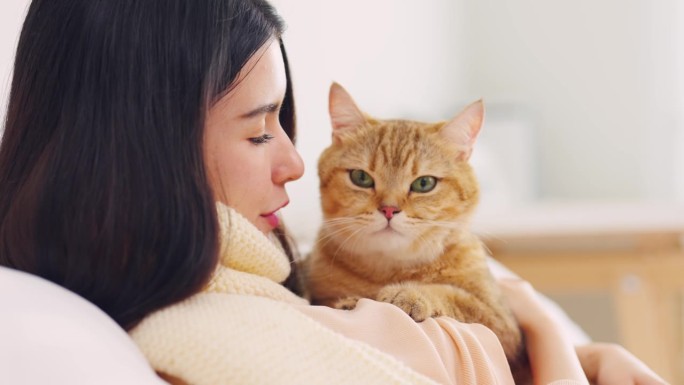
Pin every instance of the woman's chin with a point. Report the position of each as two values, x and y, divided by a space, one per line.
263 225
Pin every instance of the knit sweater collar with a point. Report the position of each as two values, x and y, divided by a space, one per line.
249 262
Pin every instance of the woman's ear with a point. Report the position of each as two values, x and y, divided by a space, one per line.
462 130
345 116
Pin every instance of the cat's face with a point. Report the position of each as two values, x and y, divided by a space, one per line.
396 188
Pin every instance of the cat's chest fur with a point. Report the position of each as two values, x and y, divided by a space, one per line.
333 273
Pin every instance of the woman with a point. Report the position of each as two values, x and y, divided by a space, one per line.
145 156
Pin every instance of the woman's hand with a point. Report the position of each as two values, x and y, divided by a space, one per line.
552 354
525 303
611 364
602 363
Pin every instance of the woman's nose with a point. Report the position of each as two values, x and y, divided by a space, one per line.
289 165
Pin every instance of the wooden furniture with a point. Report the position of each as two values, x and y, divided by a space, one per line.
633 254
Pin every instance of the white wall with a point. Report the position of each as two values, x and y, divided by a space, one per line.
599 77
12 14
679 100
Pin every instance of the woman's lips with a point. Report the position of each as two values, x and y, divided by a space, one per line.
272 219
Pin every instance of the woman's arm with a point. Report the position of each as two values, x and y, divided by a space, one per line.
551 352
572 330
603 364
443 349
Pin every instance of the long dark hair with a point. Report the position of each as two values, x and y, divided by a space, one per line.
103 189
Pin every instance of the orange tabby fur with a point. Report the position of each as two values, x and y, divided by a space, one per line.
422 259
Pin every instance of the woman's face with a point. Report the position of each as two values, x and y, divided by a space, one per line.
249 156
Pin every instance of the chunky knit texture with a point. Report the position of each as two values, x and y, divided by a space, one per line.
244 248
249 262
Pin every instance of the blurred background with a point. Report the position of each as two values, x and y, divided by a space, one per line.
581 158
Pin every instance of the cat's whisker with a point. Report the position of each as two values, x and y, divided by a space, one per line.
356 241
361 228
335 227
444 223
329 236
491 236
488 251
339 220
434 250
343 219
452 225
324 240
353 246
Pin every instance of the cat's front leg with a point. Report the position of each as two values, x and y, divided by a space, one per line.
413 299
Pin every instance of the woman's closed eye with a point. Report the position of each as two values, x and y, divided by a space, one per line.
261 139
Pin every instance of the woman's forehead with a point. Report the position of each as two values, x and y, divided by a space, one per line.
261 80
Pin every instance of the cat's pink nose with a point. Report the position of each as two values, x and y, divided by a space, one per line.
389 211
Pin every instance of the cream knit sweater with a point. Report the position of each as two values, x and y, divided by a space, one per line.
245 328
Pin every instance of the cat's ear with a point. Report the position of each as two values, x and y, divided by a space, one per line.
344 114
462 130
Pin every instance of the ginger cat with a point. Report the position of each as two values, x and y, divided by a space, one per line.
397 196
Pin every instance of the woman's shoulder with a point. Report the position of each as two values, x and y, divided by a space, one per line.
213 312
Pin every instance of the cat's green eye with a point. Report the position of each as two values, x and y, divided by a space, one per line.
424 184
361 178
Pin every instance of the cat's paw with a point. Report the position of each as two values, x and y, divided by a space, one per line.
409 299
348 303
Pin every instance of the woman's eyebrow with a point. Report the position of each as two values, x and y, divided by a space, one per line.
265 109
